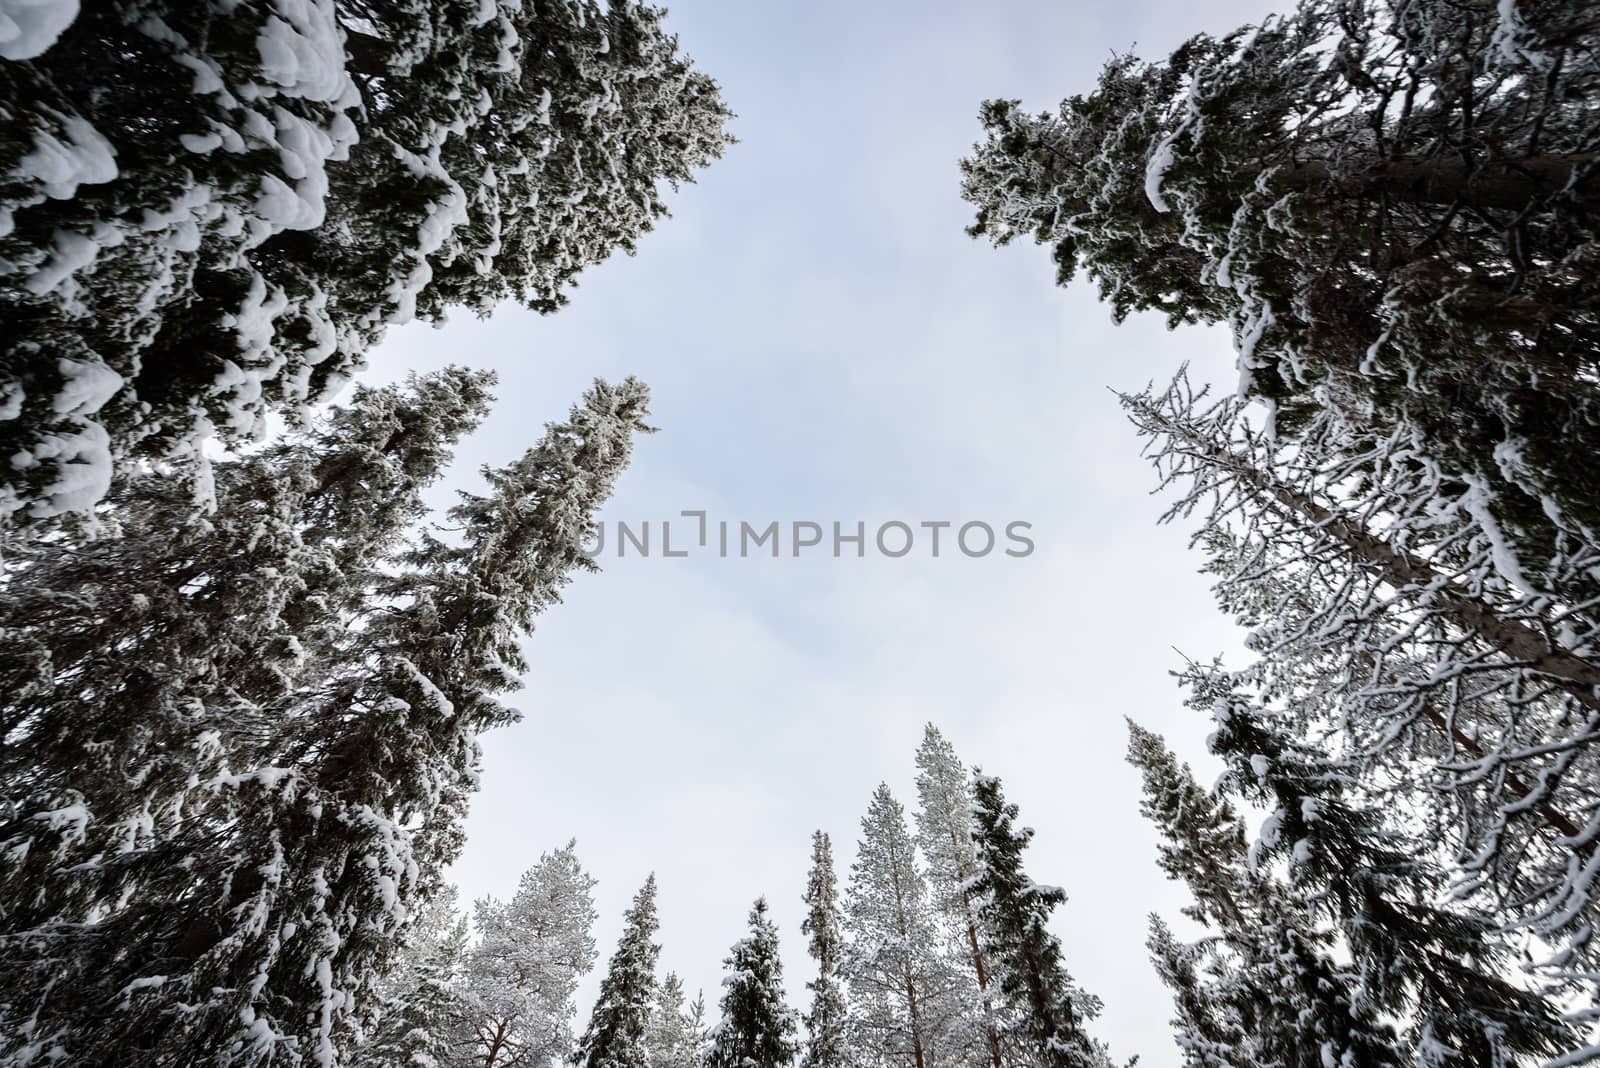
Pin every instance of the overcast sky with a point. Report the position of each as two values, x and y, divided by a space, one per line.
826 344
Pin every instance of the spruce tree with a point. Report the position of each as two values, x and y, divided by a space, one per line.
212 212
827 1021
619 1025
522 975
146 668
944 833
1391 208
1265 990
264 918
1207 1027
901 985
1443 967
757 1029
1046 1021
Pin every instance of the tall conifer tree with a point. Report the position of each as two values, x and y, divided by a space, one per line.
1047 1010
522 975
944 832
677 1027
900 981
1442 967
1391 208
424 1016
827 1021
1398 640
265 913
619 1025
1265 991
757 1029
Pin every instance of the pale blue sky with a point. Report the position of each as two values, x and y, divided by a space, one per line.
824 342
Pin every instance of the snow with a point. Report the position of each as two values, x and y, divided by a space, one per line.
88 386
73 252
1576 1057
79 156
1476 501
433 698
200 144
303 51
1247 336
1156 171
11 396
29 27
443 218
84 460
207 79
270 778
147 982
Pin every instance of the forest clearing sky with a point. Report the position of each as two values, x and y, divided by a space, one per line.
826 344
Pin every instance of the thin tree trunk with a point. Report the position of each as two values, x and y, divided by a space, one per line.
1505 184
495 1044
916 1021
983 986
977 958
1519 789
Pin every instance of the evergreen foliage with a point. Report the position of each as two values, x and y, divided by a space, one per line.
211 212
620 1023
827 1021
1046 1010
757 1029
1392 208
230 873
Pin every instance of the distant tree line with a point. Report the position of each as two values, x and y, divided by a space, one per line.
938 954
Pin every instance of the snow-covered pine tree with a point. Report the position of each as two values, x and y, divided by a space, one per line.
423 1017
827 1021
700 1025
212 212
619 1024
757 1029
902 988
266 919
1207 1029
1264 991
1392 208
1395 634
1443 967
1046 1009
142 667
677 1031
944 833
522 974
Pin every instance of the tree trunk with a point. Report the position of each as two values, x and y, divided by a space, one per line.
1508 184
1519 641
983 987
916 1022
495 1044
1553 817
1520 789
977 959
